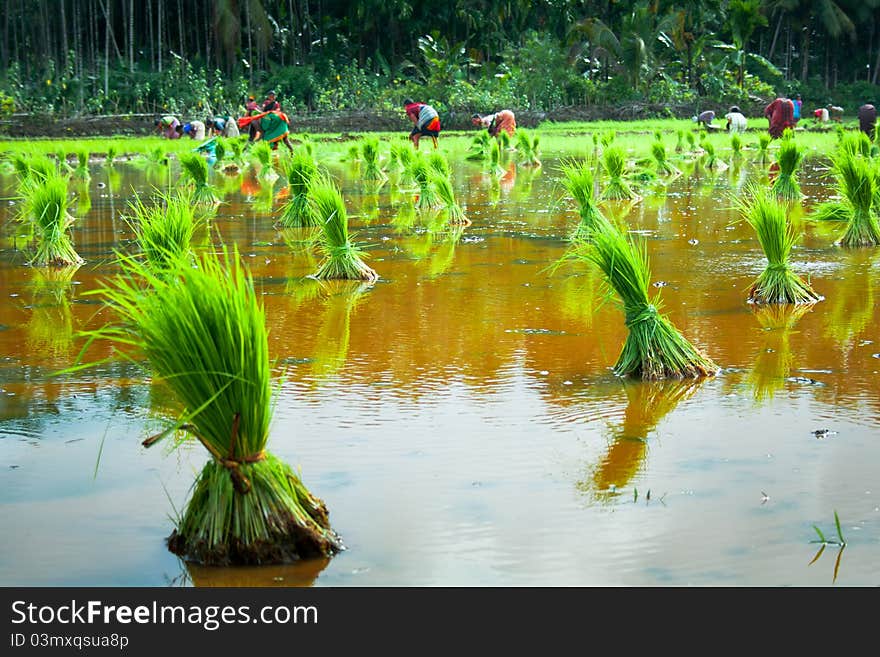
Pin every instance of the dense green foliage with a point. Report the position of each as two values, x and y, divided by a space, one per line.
199 57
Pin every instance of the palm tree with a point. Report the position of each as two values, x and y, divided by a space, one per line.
743 18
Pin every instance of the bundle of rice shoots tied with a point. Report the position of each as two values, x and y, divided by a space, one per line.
654 349
527 144
614 164
763 146
579 181
479 147
438 163
736 145
196 169
504 140
420 172
343 259
261 154
112 154
446 194
661 162
769 217
202 333
220 149
164 229
710 160
854 143
789 157
399 154
858 181
300 170
44 206
370 153
494 164
33 170
679 141
81 172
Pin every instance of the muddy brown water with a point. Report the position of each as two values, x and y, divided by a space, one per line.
460 417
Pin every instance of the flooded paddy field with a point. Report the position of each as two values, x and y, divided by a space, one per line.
460 416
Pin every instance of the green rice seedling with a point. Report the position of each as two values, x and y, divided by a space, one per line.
608 137
579 181
236 146
764 140
400 153
494 164
658 136
527 144
710 160
261 154
33 170
789 157
370 155
654 348
736 145
195 169
342 258
219 151
45 209
679 141
854 143
691 137
112 154
661 162
832 211
445 193
479 147
420 172
857 181
438 163
504 140
81 172
763 211
299 169
614 165
202 333
164 229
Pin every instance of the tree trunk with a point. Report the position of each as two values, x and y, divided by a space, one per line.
64 56
106 6
250 57
805 55
159 26
131 36
775 37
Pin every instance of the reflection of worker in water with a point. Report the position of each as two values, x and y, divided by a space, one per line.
508 179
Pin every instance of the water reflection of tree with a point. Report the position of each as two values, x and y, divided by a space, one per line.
648 403
852 301
300 573
773 364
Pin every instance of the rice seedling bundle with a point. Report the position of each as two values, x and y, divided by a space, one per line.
661 162
494 164
446 195
202 333
854 143
370 154
764 212
679 141
195 168
832 211
420 172
691 139
709 158
479 146
299 169
504 139
219 150
654 348
580 183
33 170
439 164
81 172
527 145
789 157
112 153
45 208
608 137
614 164
261 154
164 230
342 258
857 181
736 144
